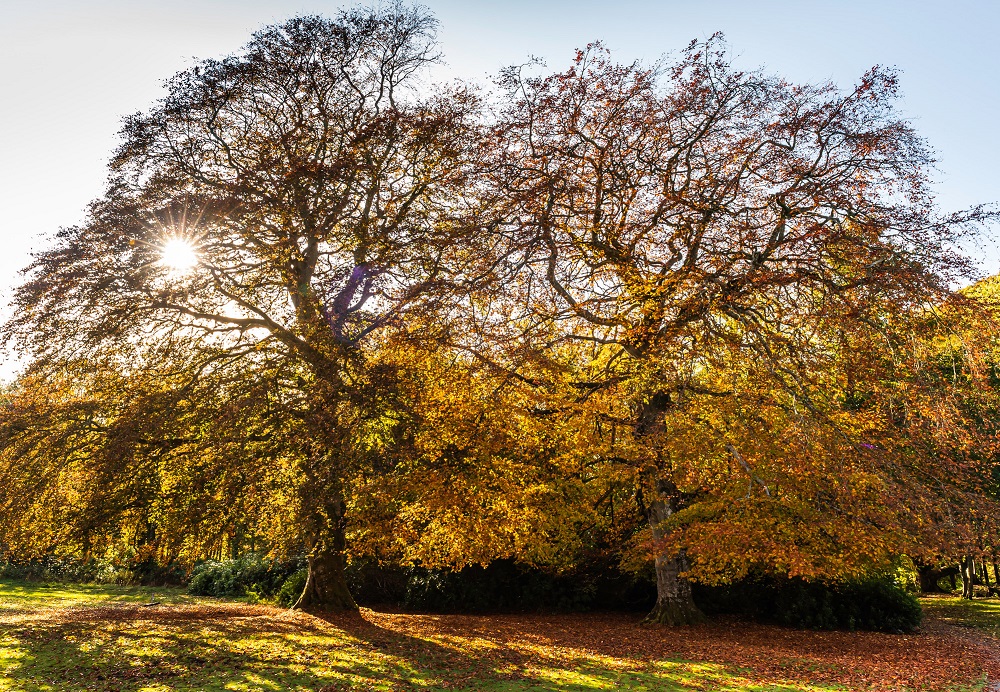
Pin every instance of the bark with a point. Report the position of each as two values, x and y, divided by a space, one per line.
986 577
674 604
968 577
326 585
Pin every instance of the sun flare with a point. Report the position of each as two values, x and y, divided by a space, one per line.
178 255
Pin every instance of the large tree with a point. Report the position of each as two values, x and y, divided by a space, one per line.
684 221
312 286
320 200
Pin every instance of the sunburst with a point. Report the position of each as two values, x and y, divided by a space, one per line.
179 255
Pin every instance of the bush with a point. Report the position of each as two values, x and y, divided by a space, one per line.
871 604
292 588
49 568
249 575
501 586
130 568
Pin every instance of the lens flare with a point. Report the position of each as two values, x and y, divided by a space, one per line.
178 255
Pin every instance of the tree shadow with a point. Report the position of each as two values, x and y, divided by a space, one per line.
236 647
228 646
129 648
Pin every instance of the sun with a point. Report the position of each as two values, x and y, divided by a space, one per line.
178 255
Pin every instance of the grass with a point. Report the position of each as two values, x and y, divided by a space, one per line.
982 615
68 637
18 595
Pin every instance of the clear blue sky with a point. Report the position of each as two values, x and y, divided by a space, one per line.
70 69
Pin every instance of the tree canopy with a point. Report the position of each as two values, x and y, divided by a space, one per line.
447 325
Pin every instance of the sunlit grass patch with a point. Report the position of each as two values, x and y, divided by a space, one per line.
980 614
14 594
103 638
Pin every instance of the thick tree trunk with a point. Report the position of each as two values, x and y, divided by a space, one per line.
674 604
986 577
326 584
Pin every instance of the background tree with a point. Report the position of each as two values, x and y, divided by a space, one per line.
94 459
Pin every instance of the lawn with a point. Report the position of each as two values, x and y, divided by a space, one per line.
106 638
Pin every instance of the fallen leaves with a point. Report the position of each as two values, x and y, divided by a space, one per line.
216 646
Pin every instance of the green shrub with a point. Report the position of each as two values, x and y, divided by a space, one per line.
871 604
292 588
248 574
122 569
503 586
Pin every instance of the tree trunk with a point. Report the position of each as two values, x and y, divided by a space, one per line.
928 576
326 584
674 604
968 577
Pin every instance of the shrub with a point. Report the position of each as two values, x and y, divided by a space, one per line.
129 568
501 586
292 588
870 604
249 574
373 582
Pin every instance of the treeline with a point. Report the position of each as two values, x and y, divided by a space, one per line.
677 317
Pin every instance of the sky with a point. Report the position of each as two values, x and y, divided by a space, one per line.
71 69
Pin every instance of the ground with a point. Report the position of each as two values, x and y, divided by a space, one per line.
104 638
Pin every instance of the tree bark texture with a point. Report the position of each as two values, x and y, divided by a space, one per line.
326 584
674 603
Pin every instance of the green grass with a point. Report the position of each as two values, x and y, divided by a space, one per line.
59 638
68 637
16 595
981 614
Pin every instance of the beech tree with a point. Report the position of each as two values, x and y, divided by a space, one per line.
313 288
682 218
319 201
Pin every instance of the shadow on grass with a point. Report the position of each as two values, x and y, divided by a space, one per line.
224 647
216 647
68 638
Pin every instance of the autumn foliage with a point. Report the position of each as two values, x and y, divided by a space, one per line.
677 313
